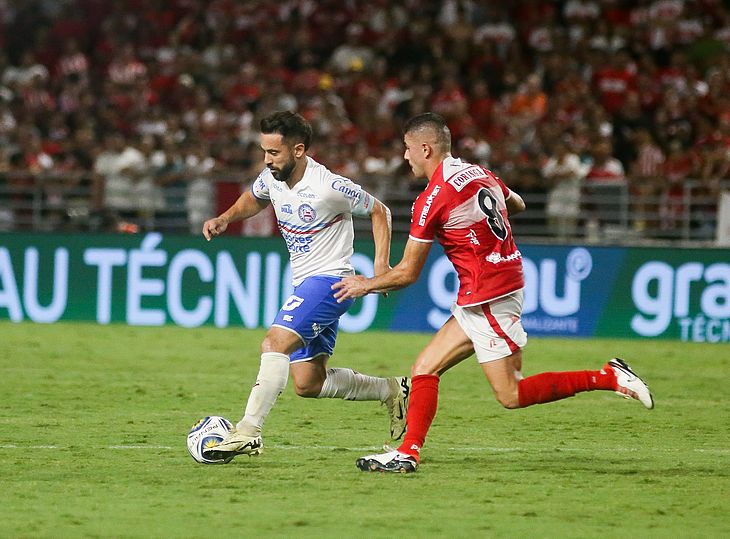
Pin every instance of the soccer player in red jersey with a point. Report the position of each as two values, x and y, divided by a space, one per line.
466 207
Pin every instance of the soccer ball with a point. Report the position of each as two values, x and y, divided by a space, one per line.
206 433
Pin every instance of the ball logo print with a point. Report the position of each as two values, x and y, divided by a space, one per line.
206 433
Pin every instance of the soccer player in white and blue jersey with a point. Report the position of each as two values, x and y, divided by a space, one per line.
314 209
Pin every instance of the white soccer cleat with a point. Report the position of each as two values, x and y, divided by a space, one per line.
397 404
235 443
392 461
628 384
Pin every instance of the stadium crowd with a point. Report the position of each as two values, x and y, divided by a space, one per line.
141 100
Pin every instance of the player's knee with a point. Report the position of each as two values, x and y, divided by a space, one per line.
271 344
267 345
309 390
415 371
421 367
508 399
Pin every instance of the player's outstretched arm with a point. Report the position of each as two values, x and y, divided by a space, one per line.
405 273
246 206
514 202
382 232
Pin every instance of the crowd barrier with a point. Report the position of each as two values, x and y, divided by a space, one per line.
609 212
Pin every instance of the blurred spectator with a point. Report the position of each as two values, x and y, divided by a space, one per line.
605 190
676 170
511 78
353 54
73 64
627 122
115 170
529 104
605 168
564 174
615 81
146 173
200 191
646 177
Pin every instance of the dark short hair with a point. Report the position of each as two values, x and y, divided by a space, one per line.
291 126
430 121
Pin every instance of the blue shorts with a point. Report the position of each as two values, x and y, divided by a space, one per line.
312 312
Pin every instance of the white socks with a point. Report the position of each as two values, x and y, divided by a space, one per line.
339 384
353 386
271 381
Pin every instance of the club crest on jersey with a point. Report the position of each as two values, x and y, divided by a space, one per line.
307 213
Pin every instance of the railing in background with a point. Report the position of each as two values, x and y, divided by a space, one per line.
609 213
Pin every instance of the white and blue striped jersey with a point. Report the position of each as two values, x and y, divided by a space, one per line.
315 218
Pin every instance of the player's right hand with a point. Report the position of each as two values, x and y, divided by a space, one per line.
350 287
214 227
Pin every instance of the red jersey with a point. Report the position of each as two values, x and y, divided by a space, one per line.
464 207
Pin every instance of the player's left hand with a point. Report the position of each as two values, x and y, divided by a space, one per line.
350 287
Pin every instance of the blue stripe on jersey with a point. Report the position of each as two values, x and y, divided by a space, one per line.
303 229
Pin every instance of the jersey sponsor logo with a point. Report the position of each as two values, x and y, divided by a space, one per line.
343 186
259 185
297 243
366 201
306 193
460 180
496 258
473 237
427 206
286 208
307 213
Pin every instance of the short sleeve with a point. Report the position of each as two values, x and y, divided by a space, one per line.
426 218
260 186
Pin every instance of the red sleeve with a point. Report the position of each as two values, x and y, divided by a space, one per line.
503 187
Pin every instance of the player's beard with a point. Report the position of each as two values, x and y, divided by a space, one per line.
284 173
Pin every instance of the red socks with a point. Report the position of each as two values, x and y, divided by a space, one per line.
541 388
421 411
552 386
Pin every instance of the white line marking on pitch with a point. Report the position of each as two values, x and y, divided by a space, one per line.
139 447
466 449
13 446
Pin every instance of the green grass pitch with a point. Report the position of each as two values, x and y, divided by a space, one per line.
94 418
